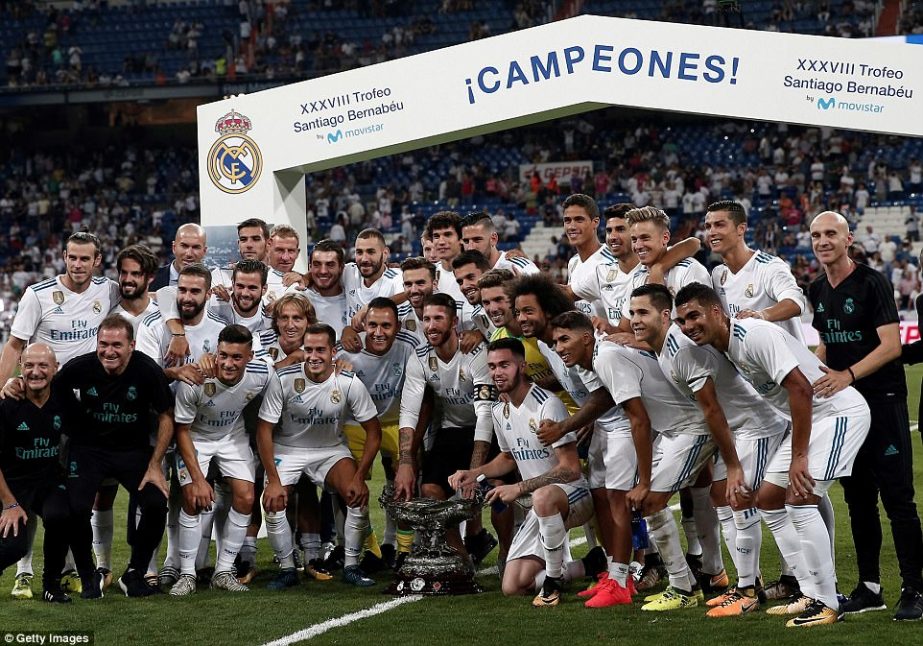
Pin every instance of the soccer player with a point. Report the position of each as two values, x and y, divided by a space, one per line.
827 433
210 428
326 289
756 284
751 283
248 286
419 279
291 316
367 278
312 402
123 395
380 368
63 312
635 382
136 266
468 267
31 481
283 249
560 498
581 220
461 383
480 234
189 248
855 315
745 428
444 229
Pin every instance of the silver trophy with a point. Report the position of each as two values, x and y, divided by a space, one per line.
433 567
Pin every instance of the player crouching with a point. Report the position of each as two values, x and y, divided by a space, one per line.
560 497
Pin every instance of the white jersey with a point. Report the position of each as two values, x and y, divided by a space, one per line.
383 375
628 373
482 322
683 273
391 282
330 309
256 323
579 272
154 337
271 350
446 284
765 354
410 322
213 409
516 428
748 415
312 414
462 386
135 319
517 264
67 322
571 381
610 286
763 281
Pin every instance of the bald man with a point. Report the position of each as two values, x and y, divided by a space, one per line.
856 318
31 477
189 248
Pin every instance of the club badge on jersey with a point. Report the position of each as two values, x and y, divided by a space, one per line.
300 386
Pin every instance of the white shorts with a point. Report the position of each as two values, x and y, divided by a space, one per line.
835 442
612 461
232 456
528 540
315 463
678 458
754 455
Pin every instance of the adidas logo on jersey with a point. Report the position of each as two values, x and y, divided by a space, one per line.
23 427
57 310
92 392
210 404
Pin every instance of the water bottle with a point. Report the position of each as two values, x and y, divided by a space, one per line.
498 505
639 537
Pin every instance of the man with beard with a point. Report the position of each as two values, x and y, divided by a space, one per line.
380 367
468 267
326 290
480 234
419 279
63 312
248 285
367 278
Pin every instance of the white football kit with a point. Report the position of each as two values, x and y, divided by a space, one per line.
154 337
331 310
683 273
358 295
765 355
517 264
609 286
135 319
581 272
66 321
763 281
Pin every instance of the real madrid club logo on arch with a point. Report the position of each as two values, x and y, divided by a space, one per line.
234 161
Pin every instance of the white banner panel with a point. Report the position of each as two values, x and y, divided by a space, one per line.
255 149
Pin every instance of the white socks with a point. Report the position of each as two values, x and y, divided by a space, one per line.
190 535
310 545
280 538
726 520
102 522
825 507
234 534
747 548
786 537
355 528
553 534
706 523
664 533
815 545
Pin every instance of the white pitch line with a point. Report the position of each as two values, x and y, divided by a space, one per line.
318 629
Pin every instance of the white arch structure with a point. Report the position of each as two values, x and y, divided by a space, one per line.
254 150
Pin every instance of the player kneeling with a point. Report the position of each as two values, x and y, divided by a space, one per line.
310 403
560 497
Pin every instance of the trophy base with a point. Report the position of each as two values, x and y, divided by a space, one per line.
434 574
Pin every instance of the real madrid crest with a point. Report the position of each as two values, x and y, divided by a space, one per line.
533 426
749 291
274 353
335 396
461 374
210 389
299 386
234 161
97 307
57 297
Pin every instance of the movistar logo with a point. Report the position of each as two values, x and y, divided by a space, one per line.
826 104
23 427
333 137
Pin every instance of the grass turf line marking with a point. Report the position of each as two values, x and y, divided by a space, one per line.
319 629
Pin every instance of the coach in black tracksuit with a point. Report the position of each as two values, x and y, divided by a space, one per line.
856 317
122 396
